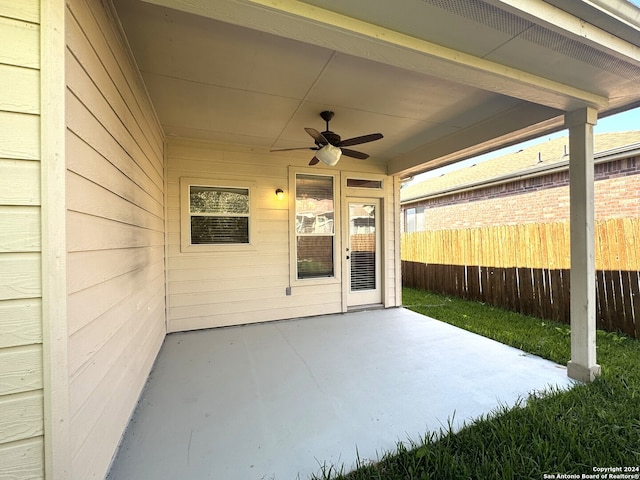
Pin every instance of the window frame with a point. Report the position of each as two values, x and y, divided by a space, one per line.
185 214
293 235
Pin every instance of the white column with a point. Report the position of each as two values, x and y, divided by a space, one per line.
57 443
582 365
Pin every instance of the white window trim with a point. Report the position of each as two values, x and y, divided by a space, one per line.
337 229
185 215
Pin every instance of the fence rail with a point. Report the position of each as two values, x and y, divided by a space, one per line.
525 268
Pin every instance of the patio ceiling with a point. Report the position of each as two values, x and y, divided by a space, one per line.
442 80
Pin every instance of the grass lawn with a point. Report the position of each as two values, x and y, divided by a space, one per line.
562 432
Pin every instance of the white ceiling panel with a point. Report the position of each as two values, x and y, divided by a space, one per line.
440 79
362 84
176 44
217 109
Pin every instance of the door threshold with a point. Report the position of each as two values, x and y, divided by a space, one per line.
360 308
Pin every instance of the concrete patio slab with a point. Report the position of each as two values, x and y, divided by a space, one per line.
279 400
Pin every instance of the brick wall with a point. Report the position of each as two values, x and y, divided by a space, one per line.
539 199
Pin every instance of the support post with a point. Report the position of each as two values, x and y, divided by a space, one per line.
582 366
53 169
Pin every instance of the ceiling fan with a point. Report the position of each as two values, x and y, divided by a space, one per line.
329 146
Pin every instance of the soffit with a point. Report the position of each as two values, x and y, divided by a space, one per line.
441 80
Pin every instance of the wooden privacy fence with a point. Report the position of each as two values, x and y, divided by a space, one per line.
525 268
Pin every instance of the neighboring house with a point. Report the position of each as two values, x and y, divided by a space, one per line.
528 186
138 189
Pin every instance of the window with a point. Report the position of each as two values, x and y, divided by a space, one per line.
215 215
314 219
364 183
414 220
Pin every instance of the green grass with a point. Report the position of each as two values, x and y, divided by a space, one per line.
566 432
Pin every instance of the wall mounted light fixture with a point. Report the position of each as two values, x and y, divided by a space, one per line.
279 193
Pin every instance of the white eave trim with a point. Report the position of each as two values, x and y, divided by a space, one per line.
567 22
618 17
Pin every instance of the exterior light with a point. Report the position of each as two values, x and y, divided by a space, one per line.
279 194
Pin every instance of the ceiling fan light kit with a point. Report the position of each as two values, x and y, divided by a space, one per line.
329 155
329 145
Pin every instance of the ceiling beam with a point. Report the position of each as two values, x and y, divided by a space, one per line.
309 24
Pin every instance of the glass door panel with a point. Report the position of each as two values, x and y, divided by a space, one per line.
363 252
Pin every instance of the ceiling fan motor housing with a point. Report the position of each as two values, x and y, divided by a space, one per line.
332 137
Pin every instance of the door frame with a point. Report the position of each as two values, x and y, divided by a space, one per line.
350 193
374 296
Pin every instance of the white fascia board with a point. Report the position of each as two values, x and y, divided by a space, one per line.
573 26
618 17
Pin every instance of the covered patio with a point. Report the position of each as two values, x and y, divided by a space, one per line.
123 120
282 399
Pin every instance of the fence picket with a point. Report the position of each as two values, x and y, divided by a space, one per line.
631 286
526 268
616 251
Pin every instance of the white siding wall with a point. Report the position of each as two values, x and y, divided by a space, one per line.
115 234
21 379
209 289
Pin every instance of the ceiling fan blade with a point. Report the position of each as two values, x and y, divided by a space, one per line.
358 140
354 154
317 136
292 149
314 161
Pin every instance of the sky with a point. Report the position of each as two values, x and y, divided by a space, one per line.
622 122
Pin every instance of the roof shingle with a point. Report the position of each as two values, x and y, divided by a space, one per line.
543 154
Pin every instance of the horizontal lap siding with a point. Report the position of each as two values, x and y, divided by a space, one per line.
212 289
115 234
21 372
